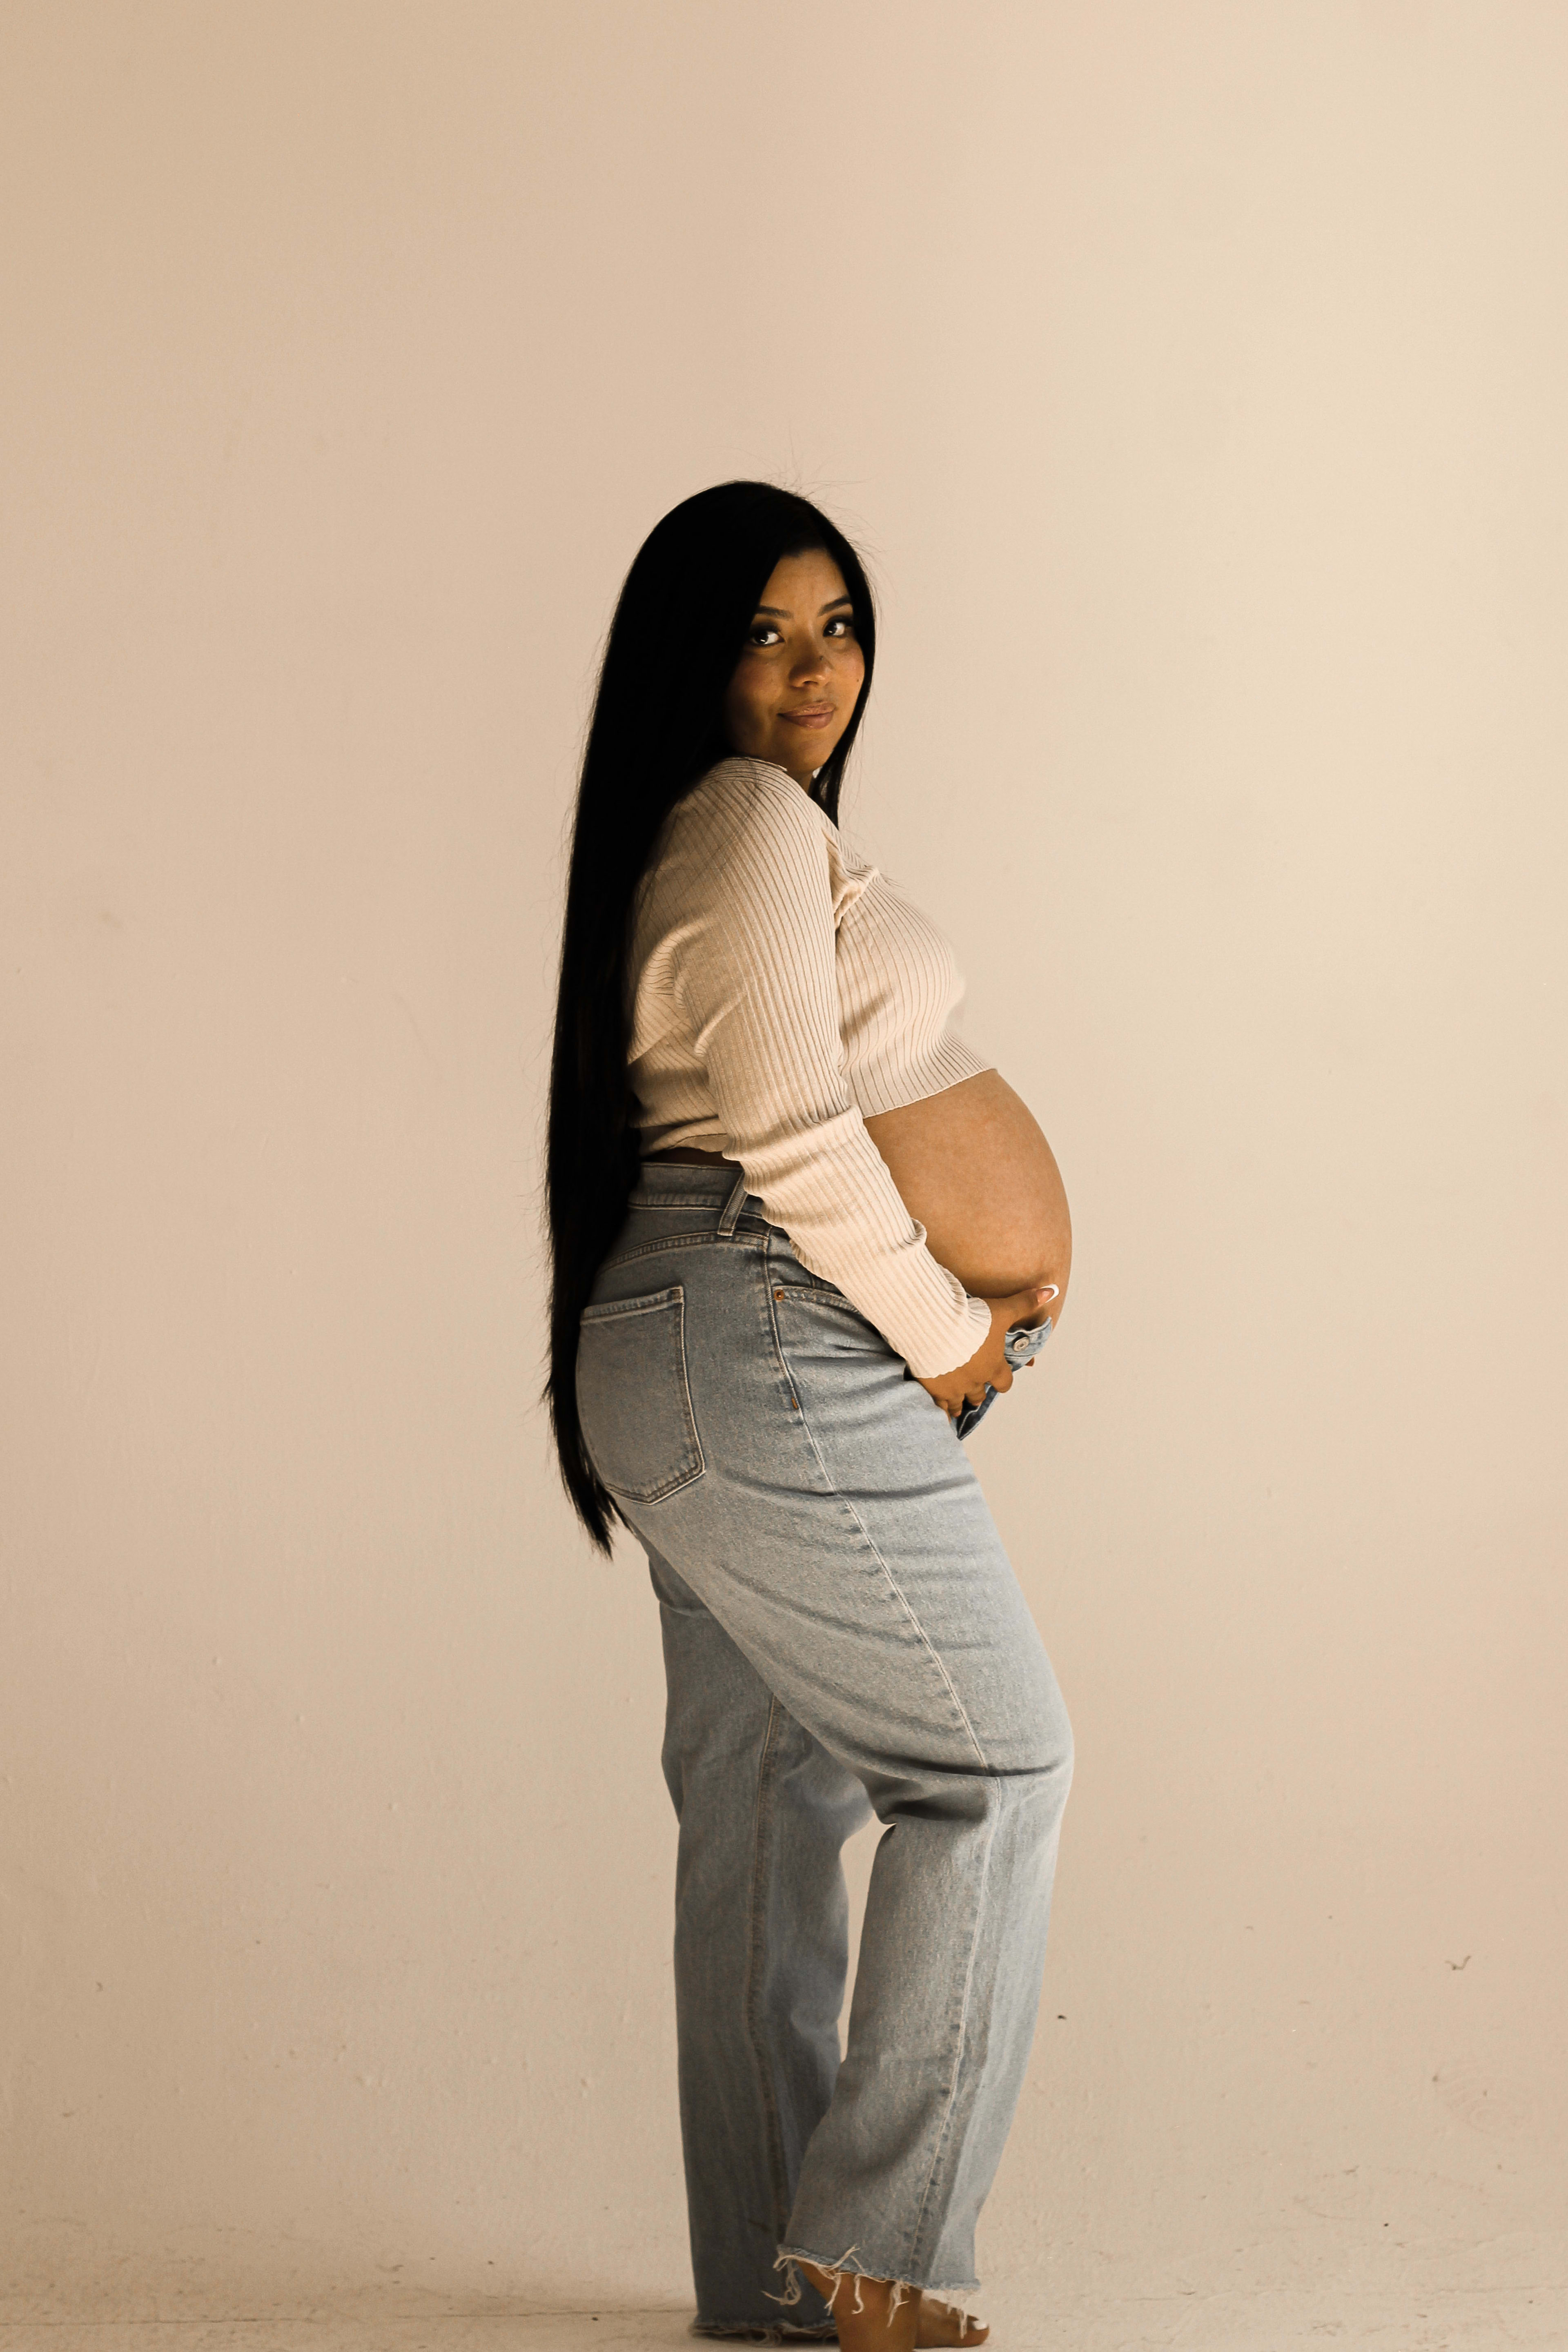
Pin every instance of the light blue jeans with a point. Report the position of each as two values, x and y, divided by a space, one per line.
843 1635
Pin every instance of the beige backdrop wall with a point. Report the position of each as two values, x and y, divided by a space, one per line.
1193 376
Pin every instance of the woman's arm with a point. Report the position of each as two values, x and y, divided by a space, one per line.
744 875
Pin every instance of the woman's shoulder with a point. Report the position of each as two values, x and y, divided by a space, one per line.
744 794
746 838
742 816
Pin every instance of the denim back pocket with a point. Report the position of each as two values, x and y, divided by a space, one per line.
634 1396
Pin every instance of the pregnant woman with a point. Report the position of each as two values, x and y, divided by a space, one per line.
803 1234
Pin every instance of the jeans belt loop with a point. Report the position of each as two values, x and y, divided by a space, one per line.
733 1206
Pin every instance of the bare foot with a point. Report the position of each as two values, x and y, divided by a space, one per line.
878 2326
943 2323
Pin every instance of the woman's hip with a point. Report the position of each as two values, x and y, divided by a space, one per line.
715 1358
758 1434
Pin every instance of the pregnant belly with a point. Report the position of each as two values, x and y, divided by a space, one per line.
974 1167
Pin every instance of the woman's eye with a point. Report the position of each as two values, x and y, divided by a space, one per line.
764 634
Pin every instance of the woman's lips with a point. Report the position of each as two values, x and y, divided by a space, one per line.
816 714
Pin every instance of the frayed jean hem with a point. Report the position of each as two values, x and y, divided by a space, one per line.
946 2291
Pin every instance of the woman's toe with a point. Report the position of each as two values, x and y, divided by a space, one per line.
943 2324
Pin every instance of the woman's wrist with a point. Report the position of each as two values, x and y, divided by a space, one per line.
989 1367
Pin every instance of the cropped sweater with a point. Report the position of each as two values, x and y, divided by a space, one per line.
781 994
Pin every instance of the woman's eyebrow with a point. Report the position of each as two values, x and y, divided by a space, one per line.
782 613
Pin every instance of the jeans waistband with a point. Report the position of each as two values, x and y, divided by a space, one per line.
672 1184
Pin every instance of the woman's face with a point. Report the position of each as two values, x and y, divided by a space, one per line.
799 676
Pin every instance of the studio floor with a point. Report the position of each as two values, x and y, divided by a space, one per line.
1472 2321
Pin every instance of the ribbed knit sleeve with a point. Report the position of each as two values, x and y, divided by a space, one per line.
751 962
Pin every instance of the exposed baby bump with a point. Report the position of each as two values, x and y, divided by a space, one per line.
972 1165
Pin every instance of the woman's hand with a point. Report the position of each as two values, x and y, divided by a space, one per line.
988 1367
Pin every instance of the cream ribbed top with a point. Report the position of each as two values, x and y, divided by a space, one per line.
782 993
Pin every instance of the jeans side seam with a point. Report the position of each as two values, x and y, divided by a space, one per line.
893 1585
942 2137
897 1590
755 1937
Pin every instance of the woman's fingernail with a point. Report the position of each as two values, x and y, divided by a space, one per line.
1050 1291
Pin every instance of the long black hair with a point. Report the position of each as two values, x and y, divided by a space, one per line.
682 621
